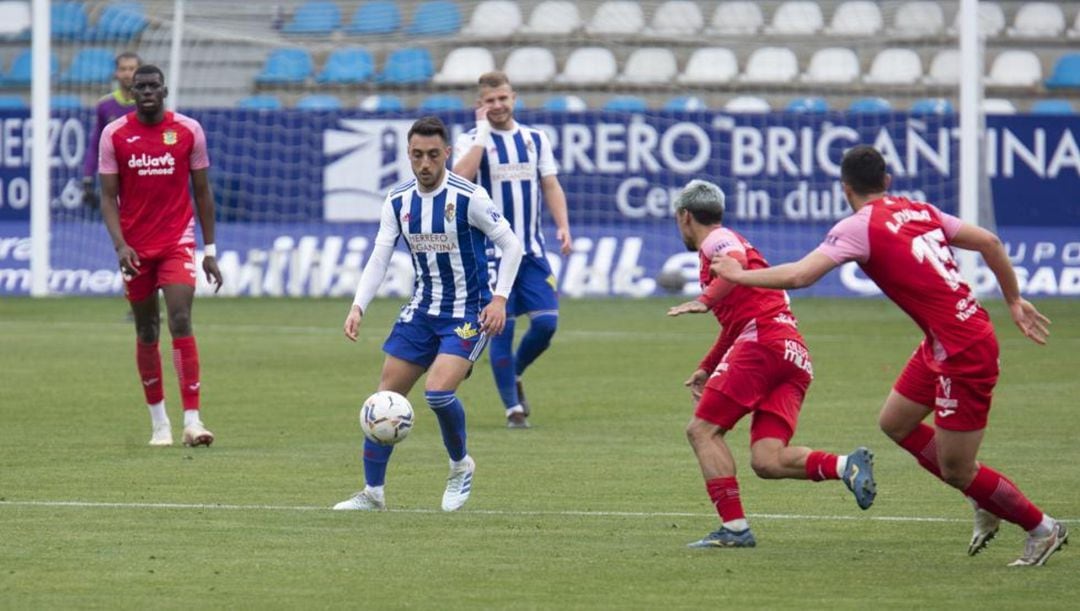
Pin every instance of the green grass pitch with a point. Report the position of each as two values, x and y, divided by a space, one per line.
591 508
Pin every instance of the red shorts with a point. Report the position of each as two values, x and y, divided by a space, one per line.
175 265
769 380
959 389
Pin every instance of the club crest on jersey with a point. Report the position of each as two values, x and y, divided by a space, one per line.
168 137
466 331
451 210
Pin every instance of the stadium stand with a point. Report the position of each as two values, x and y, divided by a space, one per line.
318 101
686 103
921 19
626 103
14 18
651 65
375 17
796 18
564 103
411 65
90 65
832 65
998 106
259 102
932 106
68 20
1038 20
315 18
589 65
436 18
1066 73
554 17
808 104
494 19
441 101
530 66
771 65
856 18
736 19
382 103
616 17
991 20
20 73
676 18
944 68
710 66
65 101
747 103
350 65
12 102
895 67
464 65
286 66
1053 107
121 21
870 105
1015 68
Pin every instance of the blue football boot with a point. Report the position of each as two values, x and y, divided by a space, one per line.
858 476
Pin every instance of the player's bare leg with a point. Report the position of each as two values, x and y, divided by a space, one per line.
178 303
718 468
147 321
445 375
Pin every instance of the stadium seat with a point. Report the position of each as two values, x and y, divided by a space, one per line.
626 103
676 18
1038 20
747 103
870 106
375 17
318 101
1066 73
796 18
589 65
348 65
811 104
736 18
119 21
90 65
554 17
922 19
710 65
1015 68
564 103
932 106
440 102
944 68
856 18
1053 107
616 17
259 102
686 103
530 66
1074 31
494 19
65 102
407 66
991 20
14 18
464 65
68 20
895 67
21 72
285 66
12 102
998 106
436 18
832 65
650 66
771 65
382 103
316 17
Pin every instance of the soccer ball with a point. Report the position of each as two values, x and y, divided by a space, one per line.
386 417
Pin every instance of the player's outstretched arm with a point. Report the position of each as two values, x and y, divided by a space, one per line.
468 152
204 206
374 269
1030 321
555 198
110 214
797 275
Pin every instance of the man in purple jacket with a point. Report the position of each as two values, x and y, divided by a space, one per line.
109 108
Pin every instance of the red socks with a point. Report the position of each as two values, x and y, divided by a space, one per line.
186 361
821 466
920 444
724 492
148 360
997 494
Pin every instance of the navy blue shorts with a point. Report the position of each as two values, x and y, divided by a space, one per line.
419 338
534 288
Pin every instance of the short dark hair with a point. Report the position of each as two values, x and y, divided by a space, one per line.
493 79
149 69
127 55
429 126
863 169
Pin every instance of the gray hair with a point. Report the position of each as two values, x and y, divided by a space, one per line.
703 200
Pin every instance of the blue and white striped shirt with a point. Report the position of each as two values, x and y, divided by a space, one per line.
510 170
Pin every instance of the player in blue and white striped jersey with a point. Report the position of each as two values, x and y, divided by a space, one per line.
446 222
516 165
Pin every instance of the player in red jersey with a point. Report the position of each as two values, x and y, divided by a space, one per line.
904 247
146 159
760 366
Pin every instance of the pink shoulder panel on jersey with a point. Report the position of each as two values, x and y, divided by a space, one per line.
849 240
949 223
106 151
200 159
721 241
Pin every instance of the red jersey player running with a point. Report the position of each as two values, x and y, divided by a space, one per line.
904 247
760 366
146 158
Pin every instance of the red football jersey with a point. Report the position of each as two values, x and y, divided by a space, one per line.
903 246
154 163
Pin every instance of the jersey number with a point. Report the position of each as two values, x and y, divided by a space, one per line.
931 246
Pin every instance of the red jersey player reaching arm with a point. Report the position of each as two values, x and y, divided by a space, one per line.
760 366
146 159
904 247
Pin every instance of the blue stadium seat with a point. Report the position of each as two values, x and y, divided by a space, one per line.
259 102
1066 73
318 101
316 17
564 103
68 20
626 103
1053 107
441 102
808 104
22 67
407 66
932 106
436 18
382 103
65 102
376 17
285 66
686 104
347 66
12 102
90 65
119 21
870 106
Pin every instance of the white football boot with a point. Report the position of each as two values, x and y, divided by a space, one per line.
161 436
459 485
1037 550
362 501
986 528
197 435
